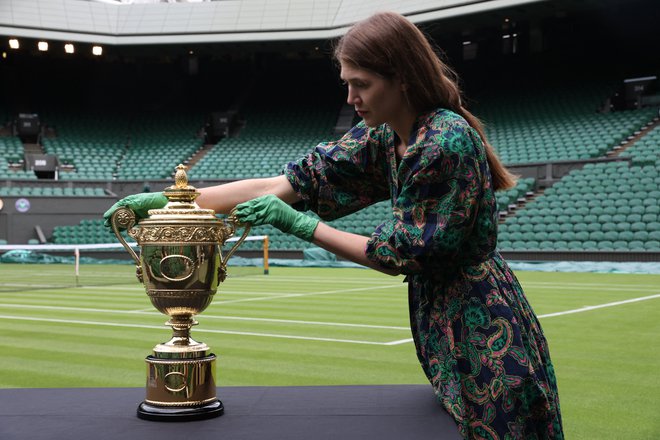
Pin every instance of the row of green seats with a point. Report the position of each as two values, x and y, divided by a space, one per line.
646 151
579 245
558 123
601 215
12 174
87 231
524 187
39 191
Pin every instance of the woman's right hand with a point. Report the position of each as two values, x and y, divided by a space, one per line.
140 204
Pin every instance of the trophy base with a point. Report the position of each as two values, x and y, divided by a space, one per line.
180 388
178 414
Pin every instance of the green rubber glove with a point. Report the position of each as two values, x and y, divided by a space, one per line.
269 209
140 204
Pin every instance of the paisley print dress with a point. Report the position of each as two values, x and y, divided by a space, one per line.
476 336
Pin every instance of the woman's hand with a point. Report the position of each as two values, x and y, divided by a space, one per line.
271 210
140 204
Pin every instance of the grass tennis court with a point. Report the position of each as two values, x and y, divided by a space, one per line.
304 326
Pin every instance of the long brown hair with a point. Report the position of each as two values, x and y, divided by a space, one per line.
390 45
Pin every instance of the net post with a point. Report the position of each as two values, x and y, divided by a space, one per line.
76 253
266 255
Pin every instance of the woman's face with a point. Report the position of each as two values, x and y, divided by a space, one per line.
376 99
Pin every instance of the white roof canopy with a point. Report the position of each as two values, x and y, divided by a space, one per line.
130 23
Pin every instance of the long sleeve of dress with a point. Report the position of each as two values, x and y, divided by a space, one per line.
442 196
341 177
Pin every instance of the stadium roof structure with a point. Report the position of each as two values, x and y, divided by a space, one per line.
139 22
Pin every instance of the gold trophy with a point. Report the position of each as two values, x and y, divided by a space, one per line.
180 265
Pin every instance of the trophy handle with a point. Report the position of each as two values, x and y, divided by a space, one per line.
246 231
125 218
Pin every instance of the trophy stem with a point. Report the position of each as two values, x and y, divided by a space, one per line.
181 326
181 343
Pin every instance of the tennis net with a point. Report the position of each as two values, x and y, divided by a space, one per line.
55 266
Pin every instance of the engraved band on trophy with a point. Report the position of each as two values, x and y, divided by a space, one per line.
180 265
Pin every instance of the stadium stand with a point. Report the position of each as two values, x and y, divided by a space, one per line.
594 185
603 206
90 144
11 159
557 124
509 200
611 206
96 147
279 128
86 232
158 143
646 152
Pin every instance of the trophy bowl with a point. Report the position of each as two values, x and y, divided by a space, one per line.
181 265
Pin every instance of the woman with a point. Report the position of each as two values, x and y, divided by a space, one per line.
477 338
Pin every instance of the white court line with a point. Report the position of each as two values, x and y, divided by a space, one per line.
226 332
294 321
307 338
294 295
257 279
72 290
151 312
613 288
599 306
343 280
399 342
587 285
390 343
271 296
221 290
566 312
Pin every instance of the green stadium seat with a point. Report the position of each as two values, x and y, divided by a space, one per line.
560 245
636 245
568 236
589 245
626 235
620 245
638 226
652 245
594 227
596 236
575 245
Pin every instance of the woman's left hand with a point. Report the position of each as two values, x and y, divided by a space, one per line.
269 209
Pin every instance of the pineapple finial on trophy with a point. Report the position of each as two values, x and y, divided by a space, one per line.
181 193
180 177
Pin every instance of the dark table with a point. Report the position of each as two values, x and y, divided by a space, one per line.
326 412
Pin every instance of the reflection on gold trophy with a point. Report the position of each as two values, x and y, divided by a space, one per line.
180 265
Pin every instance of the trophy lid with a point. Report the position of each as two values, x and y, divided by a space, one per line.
181 203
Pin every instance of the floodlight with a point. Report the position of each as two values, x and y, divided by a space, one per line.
13 43
97 50
69 48
43 46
